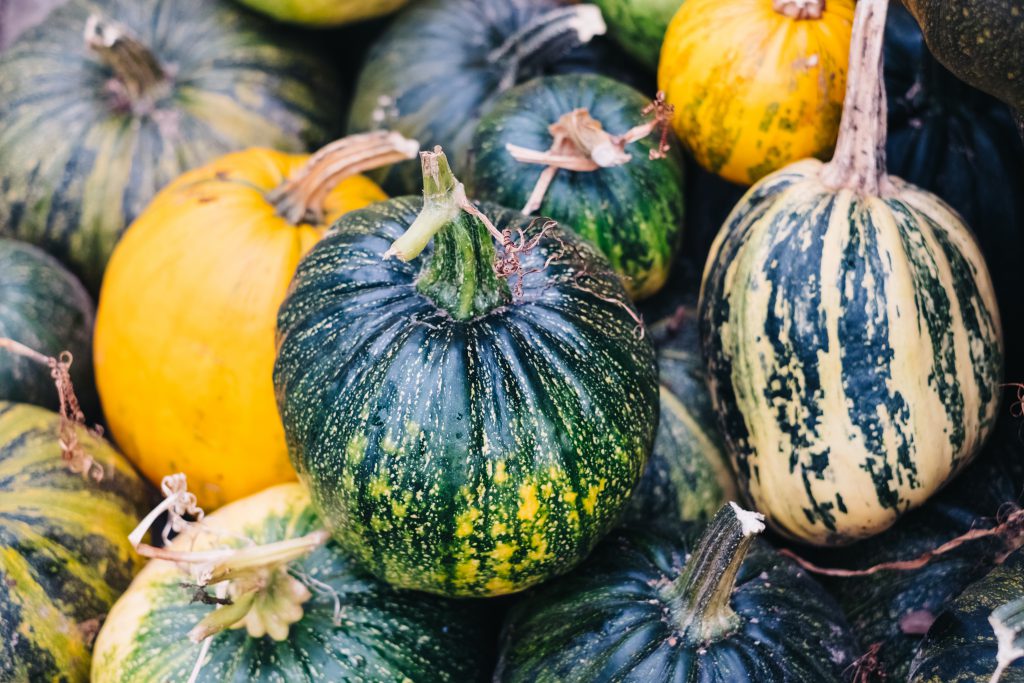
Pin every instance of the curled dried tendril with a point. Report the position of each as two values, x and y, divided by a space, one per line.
178 503
867 668
72 419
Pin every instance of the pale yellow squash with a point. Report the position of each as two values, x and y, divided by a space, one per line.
185 330
756 84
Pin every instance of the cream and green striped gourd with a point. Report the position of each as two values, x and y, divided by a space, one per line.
851 331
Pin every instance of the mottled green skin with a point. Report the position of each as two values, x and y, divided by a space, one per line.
880 605
633 213
77 165
44 307
687 477
981 41
639 25
434 72
381 634
64 552
471 457
612 620
960 646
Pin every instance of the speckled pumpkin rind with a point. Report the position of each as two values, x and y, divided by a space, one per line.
464 458
854 351
64 550
754 90
381 634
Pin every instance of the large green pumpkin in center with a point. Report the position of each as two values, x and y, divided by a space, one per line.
458 435
93 126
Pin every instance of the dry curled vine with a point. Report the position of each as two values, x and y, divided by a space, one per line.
72 418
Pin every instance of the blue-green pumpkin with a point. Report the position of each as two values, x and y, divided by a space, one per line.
64 550
639 25
45 308
94 126
460 433
851 331
633 212
702 605
440 65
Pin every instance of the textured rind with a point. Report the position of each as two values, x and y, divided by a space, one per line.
381 634
687 477
639 25
610 621
464 458
981 41
633 213
44 307
948 138
74 171
324 12
854 351
203 403
754 90
960 646
430 75
64 551
879 605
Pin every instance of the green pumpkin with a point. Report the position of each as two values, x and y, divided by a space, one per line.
851 332
950 139
91 131
961 645
687 476
44 307
639 25
352 628
458 435
691 604
981 41
64 551
640 238
441 63
892 609
324 12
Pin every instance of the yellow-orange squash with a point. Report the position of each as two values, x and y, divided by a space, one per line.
756 84
184 345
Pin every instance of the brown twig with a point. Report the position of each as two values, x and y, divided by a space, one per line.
71 416
1011 529
867 668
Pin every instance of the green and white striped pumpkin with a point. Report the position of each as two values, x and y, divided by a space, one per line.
850 330
64 550
92 128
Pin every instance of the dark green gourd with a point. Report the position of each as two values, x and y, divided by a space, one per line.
679 605
688 476
639 25
94 126
45 308
632 211
961 646
462 433
439 66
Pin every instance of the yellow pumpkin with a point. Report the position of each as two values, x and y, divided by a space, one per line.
756 84
184 345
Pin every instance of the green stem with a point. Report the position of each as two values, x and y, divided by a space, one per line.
701 595
459 274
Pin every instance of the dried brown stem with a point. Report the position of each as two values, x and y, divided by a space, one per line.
139 77
799 9
581 144
71 416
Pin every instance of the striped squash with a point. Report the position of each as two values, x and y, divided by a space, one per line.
639 25
225 239
441 63
324 12
756 84
90 132
640 238
850 330
64 551
687 476
44 307
458 435
353 627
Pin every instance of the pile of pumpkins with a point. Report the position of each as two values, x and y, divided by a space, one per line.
440 301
